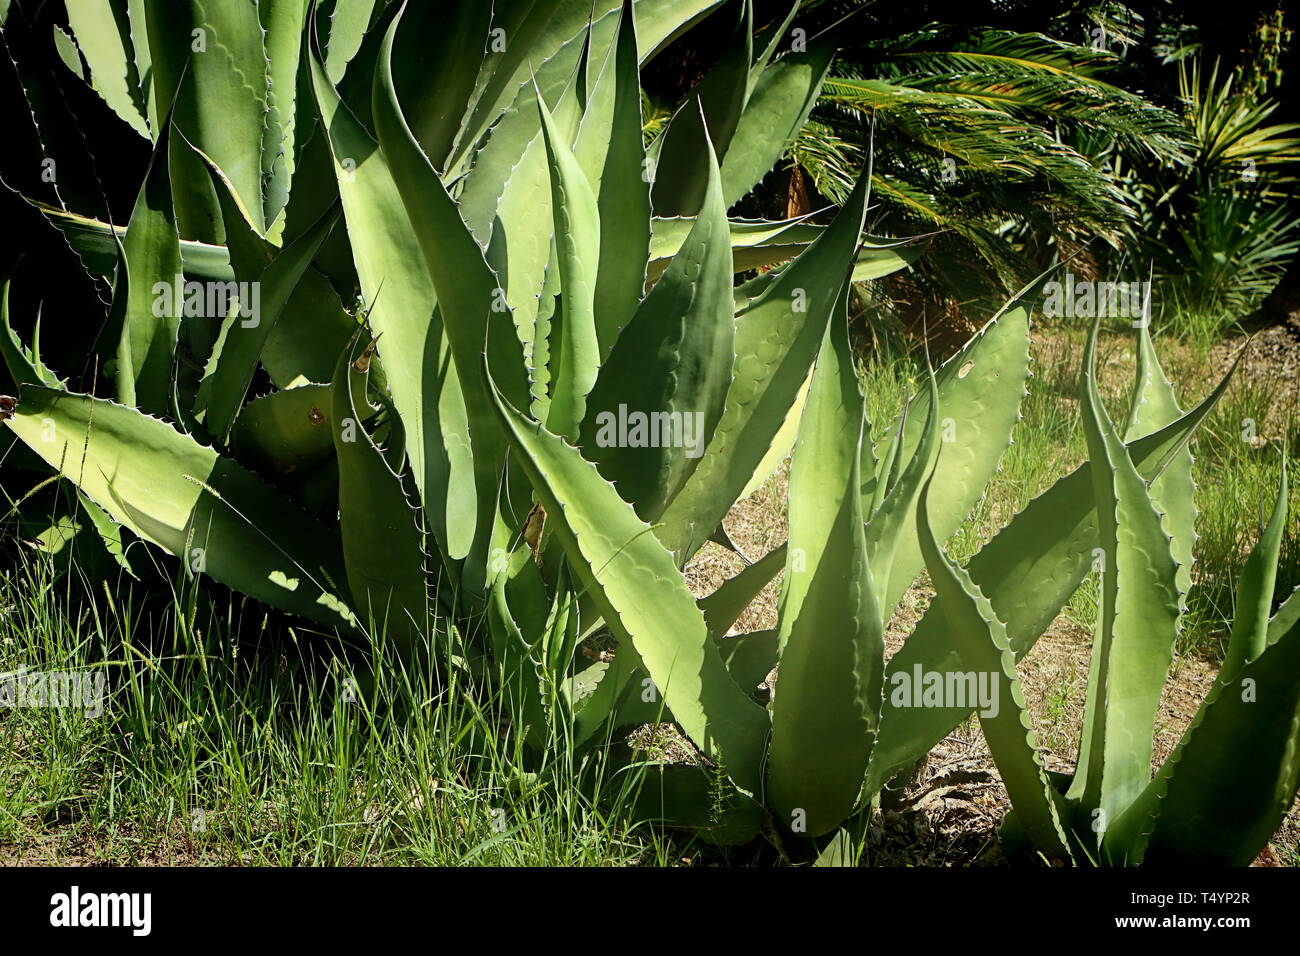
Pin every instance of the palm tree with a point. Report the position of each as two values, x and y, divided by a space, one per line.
994 131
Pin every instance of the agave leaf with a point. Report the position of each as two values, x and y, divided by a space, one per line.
1231 783
831 634
518 230
875 260
349 21
283 22
468 296
575 351
1028 571
110 533
286 431
642 596
887 531
712 109
545 39
313 328
205 509
784 441
517 613
242 340
724 606
672 363
92 240
759 243
138 35
596 693
560 640
103 35
151 255
1250 626
436 60
1136 626
1233 777
987 653
979 392
695 800
396 284
750 657
24 364
773 34
611 151
210 58
782 96
776 341
1174 492
51 108
383 550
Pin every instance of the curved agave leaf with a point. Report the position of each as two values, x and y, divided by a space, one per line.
724 606
286 431
1174 492
1250 626
979 394
575 350
211 59
1028 571
782 96
468 296
103 35
776 341
383 550
987 654
545 38
514 220
750 657
831 634
1233 777
205 509
24 364
435 62
92 240
415 350
313 328
238 350
517 615
1136 627
671 367
610 148
151 256
680 174
641 595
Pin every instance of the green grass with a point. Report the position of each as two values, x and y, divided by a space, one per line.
230 744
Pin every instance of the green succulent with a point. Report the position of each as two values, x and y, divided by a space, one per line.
1230 782
553 390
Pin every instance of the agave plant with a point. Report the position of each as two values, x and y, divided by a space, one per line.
1231 780
548 395
405 472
